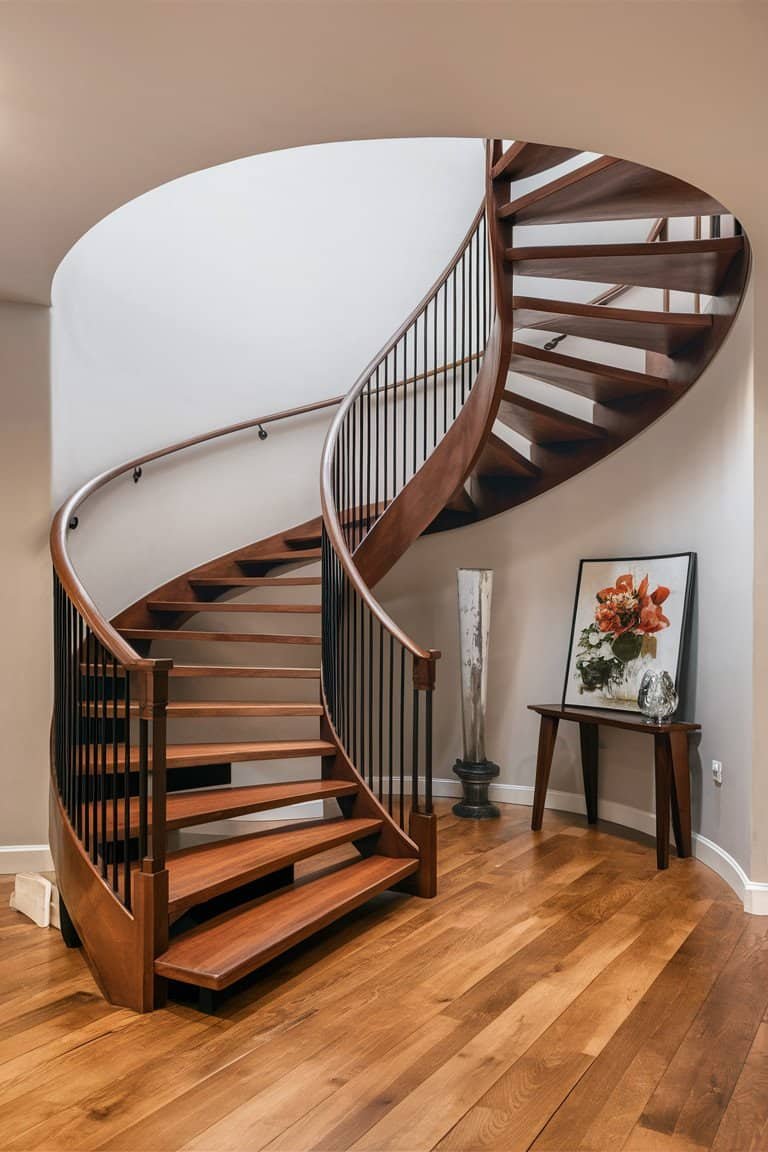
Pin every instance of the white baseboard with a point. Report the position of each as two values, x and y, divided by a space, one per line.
37 857
754 896
25 858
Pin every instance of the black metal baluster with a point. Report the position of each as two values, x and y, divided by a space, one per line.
369 614
405 407
428 752
103 743
71 707
476 302
415 753
445 356
127 795
115 776
470 309
415 398
353 670
79 791
391 740
368 459
143 786
361 468
424 366
453 354
386 432
435 364
377 459
380 761
402 737
87 725
463 327
485 280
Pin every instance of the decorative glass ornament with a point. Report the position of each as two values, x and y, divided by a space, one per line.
657 698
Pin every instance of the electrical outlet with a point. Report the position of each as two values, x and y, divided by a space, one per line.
717 771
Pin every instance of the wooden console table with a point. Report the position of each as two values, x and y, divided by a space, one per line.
673 782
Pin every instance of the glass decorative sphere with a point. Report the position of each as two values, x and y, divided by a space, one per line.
657 698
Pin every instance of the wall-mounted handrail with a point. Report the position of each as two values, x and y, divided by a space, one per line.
63 520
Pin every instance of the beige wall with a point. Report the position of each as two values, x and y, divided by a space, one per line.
685 484
103 101
25 578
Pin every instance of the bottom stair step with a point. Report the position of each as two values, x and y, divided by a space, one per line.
232 945
202 873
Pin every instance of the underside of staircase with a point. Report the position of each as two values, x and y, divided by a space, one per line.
278 660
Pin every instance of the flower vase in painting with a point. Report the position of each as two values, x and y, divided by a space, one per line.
620 627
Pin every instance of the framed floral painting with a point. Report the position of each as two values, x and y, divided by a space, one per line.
630 615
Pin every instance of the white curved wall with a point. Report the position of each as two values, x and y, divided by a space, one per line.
245 289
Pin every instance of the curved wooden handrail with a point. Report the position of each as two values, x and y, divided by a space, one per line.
414 508
329 512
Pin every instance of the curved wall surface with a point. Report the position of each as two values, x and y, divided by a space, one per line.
242 290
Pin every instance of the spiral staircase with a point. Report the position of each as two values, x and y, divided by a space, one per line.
472 407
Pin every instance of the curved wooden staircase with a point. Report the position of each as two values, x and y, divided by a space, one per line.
468 410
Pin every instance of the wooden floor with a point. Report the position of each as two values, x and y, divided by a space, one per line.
560 994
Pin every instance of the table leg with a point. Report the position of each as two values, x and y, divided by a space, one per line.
589 734
663 763
681 793
547 735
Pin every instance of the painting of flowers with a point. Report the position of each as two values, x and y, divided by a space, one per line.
630 615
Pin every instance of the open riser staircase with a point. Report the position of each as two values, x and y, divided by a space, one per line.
270 683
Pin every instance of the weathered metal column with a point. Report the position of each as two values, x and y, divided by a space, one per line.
474 770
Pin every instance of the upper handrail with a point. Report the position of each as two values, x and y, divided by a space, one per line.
330 516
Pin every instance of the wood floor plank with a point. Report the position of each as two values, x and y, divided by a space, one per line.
546 990
607 1102
745 1123
690 1100
521 1102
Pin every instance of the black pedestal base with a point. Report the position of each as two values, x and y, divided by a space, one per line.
475 778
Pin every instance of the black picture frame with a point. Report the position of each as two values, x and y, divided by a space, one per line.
681 663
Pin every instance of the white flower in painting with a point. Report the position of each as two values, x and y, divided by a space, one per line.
605 650
595 638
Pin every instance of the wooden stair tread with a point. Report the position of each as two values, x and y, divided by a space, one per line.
255 581
282 556
665 332
544 425
187 809
223 670
461 502
522 159
219 637
217 752
498 458
599 382
681 265
216 954
202 709
303 540
246 671
187 606
610 189
201 873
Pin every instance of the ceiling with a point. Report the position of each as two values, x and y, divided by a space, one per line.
101 100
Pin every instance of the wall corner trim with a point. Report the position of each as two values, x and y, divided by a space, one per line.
753 895
25 858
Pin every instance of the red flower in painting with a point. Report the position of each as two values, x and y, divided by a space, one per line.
624 608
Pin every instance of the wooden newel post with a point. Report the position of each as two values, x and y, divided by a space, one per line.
422 825
151 886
